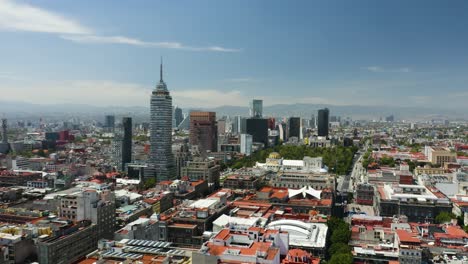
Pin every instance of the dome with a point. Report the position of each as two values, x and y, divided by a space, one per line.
274 155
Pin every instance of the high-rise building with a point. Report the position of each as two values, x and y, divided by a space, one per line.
126 141
271 123
239 125
246 144
294 127
204 131
390 118
4 131
178 116
116 150
256 108
181 152
161 158
323 122
258 128
4 145
109 124
221 126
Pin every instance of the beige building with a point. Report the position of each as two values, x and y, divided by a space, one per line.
428 170
440 155
200 169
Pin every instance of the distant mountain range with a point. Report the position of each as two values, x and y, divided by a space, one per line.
21 110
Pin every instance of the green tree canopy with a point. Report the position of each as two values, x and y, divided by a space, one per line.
341 235
342 258
444 217
338 248
150 183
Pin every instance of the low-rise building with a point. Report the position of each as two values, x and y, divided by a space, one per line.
142 228
440 155
253 245
238 181
74 243
297 180
199 169
365 194
419 203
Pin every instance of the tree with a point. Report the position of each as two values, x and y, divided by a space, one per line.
338 248
341 235
150 183
444 217
346 258
334 223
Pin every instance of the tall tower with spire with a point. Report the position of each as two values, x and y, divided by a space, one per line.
161 157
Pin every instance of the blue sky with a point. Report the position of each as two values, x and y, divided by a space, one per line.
399 53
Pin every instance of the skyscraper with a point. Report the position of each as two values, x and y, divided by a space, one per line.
204 131
256 108
4 145
178 117
4 131
127 141
294 127
246 144
109 123
323 122
258 128
161 158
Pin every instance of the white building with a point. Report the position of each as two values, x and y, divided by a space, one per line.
93 205
311 236
276 163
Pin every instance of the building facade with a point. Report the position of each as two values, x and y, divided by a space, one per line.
126 141
258 128
204 131
246 144
161 158
323 122
200 169
98 207
256 108
294 127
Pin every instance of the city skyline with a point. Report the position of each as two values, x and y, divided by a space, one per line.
394 53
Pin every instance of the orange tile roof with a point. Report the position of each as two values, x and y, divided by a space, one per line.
280 194
222 234
456 231
405 236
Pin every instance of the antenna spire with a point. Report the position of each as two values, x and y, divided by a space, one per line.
161 70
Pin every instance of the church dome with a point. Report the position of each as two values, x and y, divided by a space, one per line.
274 155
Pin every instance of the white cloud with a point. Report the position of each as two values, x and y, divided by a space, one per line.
241 80
214 98
16 16
94 39
110 93
209 98
91 92
9 76
382 69
462 93
23 17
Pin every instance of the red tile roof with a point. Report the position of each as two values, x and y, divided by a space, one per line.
407 237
